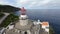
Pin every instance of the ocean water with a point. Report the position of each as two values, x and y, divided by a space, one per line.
50 15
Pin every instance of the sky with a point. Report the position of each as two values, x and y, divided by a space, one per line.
33 4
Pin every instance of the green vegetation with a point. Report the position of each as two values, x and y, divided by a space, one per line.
51 31
9 19
8 8
1 15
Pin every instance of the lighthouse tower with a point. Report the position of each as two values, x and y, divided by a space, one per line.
23 17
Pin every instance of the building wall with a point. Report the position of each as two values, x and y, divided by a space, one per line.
24 22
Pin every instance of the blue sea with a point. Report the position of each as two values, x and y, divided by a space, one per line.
50 15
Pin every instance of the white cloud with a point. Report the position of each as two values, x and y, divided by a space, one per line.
30 3
39 3
33 4
4 2
21 2
43 2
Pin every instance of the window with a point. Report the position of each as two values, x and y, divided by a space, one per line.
25 32
47 27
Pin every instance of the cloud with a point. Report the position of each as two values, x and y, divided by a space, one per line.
21 2
39 3
4 2
44 2
32 3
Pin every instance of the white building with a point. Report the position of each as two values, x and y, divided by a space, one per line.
45 26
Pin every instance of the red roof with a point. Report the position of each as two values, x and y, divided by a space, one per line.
45 23
22 9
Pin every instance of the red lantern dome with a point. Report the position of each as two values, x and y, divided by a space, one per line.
23 11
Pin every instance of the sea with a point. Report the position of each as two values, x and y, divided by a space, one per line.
50 15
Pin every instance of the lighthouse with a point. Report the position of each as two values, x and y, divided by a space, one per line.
23 17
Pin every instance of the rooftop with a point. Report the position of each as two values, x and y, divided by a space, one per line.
45 23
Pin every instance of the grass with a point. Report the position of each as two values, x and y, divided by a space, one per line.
8 20
1 15
51 31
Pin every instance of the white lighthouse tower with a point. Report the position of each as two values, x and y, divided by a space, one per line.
23 17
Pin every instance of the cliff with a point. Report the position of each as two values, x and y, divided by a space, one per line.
8 8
